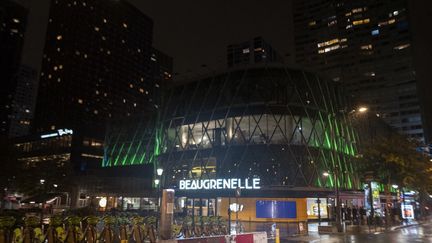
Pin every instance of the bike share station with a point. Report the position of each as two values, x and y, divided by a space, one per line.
244 204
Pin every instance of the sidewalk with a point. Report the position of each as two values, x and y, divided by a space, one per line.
314 236
363 229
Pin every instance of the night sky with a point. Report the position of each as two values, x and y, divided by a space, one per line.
193 32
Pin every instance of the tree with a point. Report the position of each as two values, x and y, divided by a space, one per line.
395 160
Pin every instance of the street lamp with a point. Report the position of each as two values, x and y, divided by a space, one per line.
338 209
159 171
362 109
156 182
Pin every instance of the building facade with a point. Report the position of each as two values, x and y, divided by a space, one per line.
279 134
255 51
367 46
24 100
281 125
13 22
96 65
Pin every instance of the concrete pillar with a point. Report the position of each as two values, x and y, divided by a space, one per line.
167 213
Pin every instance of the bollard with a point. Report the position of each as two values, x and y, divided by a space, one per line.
277 237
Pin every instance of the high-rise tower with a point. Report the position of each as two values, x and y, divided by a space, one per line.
366 45
13 21
96 65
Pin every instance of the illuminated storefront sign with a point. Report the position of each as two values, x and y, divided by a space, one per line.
59 133
220 184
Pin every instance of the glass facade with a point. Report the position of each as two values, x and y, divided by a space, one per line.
282 125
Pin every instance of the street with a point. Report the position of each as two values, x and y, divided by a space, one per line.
418 233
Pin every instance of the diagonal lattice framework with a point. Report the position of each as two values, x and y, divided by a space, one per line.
285 126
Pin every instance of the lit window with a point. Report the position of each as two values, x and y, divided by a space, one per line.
358 10
85 56
95 112
366 47
135 104
49 76
328 49
59 80
401 47
390 21
141 90
59 37
55 68
362 21
15 20
80 101
125 25
375 32
96 28
58 49
131 86
60 66
97 92
330 42
109 52
333 22
246 50
104 20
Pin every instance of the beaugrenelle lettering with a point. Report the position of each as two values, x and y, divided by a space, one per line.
218 184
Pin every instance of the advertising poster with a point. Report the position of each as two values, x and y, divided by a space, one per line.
375 198
312 208
407 211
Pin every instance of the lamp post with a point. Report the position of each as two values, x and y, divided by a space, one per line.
157 181
337 201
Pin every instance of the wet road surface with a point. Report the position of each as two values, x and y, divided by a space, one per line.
418 233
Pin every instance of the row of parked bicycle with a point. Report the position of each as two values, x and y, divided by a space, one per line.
74 229
109 229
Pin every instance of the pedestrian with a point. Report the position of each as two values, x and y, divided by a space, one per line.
354 214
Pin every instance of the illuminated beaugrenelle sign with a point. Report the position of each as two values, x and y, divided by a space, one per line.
60 132
214 184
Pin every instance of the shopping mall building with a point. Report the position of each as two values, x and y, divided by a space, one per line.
274 140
